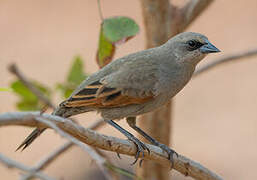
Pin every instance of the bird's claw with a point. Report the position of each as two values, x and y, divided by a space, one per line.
141 162
141 147
170 153
118 154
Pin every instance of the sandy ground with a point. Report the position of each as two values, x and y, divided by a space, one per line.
215 117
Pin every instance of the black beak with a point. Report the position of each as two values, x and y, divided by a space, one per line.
209 48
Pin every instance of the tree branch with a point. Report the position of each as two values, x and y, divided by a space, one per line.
181 163
47 160
191 11
226 59
14 69
14 164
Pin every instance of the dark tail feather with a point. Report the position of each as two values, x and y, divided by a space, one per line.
30 138
36 132
60 111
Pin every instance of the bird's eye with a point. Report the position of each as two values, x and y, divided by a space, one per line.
193 45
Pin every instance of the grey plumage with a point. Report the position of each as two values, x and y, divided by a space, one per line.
162 72
137 83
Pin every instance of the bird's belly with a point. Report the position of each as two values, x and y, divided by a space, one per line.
134 110
169 90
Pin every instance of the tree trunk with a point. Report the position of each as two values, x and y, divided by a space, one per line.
156 14
162 20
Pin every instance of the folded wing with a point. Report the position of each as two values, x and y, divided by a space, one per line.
98 95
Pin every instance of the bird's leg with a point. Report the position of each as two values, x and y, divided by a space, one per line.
132 123
140 145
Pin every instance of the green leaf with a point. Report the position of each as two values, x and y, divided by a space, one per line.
119 28
75 77
76 74
5 89
114 31
105 50
66 89
22 91
27 106
45 90
28 101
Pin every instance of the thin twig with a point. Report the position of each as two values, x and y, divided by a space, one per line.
51 157
226 59
14 69
100 10
191 11
47 160
14 164
181 163
108 163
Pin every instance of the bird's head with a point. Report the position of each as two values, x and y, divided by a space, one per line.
190 47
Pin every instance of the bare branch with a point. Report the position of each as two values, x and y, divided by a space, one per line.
47 160
13 164
181 18
226 59
44 162
14 69
191 11
181 163
100 10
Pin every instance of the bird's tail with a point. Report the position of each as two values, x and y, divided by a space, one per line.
60 111
36 132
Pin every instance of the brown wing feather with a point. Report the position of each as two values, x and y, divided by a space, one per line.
99 96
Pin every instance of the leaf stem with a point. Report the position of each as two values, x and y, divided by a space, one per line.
100 10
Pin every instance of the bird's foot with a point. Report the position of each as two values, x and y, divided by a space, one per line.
169 151
141 147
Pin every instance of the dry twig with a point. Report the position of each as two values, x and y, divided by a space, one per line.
191 11
226 59
47 160
14 164
14 69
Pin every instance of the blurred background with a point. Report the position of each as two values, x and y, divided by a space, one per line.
215 116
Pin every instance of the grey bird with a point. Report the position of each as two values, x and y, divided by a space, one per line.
136 84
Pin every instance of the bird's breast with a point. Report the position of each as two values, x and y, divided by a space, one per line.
174 79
